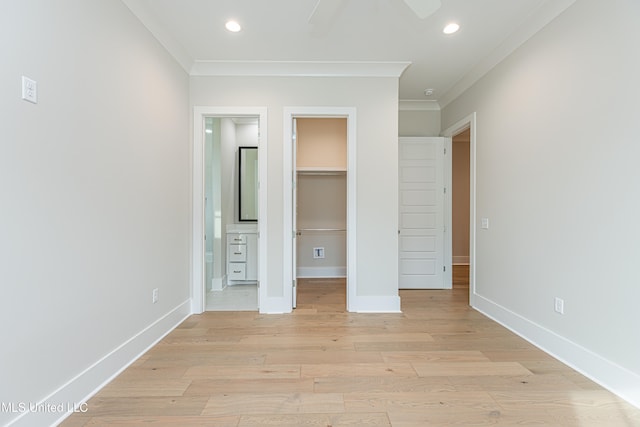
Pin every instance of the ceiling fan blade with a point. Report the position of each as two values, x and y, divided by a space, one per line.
424 8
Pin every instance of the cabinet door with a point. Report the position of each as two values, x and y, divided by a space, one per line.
237 271
236 239
237 253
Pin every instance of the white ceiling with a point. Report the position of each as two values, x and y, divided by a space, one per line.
354 31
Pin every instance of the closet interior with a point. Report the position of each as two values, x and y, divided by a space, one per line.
321 208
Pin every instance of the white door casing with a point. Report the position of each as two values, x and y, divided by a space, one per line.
421 201
294 213
468 122
288 170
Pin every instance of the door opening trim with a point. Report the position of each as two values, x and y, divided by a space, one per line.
289 114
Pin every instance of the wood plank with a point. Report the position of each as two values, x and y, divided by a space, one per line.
322 357
479 417
166 421
451 369
245 372
273 403
145 387
358 370
145 406
514 383
434 356
376 384
210 387
317 420
421 402
167 361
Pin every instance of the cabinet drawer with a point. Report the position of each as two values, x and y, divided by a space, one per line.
236 239
237 253
237 271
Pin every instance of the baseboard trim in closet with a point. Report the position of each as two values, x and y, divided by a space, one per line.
321 272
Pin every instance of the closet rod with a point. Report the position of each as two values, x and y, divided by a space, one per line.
322 229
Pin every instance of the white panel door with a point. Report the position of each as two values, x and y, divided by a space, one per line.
421 205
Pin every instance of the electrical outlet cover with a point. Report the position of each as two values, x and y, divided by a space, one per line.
29 90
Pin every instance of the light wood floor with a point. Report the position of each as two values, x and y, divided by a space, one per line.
439 363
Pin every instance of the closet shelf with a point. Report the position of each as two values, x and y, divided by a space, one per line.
321 170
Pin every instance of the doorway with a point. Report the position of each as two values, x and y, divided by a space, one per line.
320 208
219 134
462 247
460 211
231 213
326 234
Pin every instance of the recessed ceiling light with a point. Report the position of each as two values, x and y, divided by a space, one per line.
233 26
451 28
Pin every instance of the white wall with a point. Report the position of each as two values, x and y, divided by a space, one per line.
229 162
95 189
419 122
376 100
247 134
557 175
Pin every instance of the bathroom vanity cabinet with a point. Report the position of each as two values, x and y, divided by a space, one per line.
242 253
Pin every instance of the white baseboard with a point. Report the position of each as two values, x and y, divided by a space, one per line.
375 304
275 305
79 389
608 374
321 272
218 284
460 260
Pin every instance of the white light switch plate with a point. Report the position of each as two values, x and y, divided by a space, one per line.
485 223
29 90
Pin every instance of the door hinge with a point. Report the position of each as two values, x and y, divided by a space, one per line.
445 190
293 283
445 151
444 268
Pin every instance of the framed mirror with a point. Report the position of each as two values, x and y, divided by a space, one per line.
248 185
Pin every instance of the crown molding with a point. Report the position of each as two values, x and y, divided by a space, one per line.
418 105
536 22
298 68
